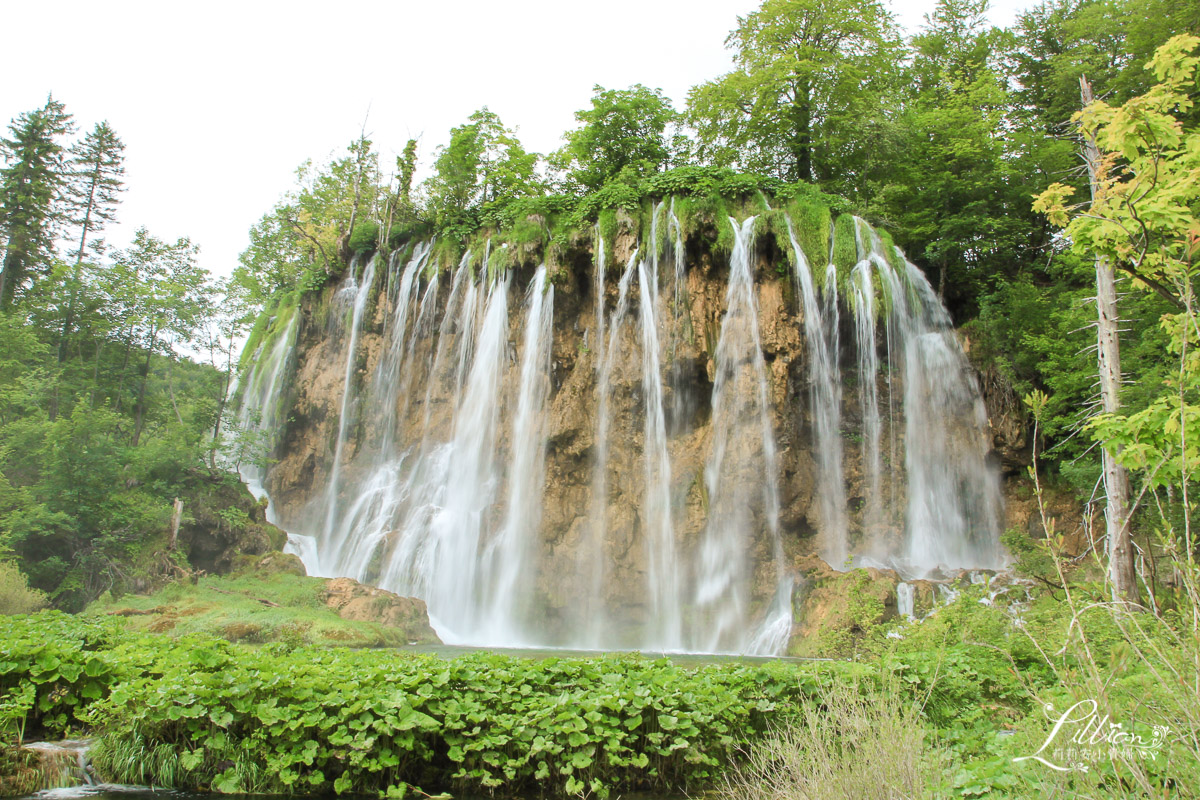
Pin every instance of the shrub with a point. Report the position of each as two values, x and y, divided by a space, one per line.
16 596
364 237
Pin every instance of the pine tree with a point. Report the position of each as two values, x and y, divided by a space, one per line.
95 182
29 190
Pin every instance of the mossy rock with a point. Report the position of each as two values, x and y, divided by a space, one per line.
837 609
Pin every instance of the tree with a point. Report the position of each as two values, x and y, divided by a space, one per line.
483 161
95 182
278 255
223 332
624 129
406 167
1144 165
806 94
93 190
29 188
958 204
166 297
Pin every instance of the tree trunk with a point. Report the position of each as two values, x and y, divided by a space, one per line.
1121 571
176 519
139 414
802 135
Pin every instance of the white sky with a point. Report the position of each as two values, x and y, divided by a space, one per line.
218 102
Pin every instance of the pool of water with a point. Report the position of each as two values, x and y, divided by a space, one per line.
683 659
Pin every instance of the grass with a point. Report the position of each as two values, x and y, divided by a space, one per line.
848 744
233 608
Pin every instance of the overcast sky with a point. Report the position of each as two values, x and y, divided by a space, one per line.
219 102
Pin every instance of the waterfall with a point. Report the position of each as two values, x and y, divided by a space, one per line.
863 290
577 480
451 584
825 400
953 507
591 562
258 415
741 470
359 292
508 554
905 600
663 630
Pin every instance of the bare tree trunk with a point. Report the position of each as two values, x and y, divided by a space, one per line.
1121 571
176 519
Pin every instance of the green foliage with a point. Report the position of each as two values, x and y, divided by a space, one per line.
65 659
853 743
16 597
364 237
625 131
810 79
94 447
201 713
845 245
812 223
97 167
1141 220
232 607
483 162
29 187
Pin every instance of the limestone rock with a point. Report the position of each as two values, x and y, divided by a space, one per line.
359 602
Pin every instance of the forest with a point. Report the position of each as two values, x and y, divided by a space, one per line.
1013 166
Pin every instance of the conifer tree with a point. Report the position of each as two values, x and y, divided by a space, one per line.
97 167
29 190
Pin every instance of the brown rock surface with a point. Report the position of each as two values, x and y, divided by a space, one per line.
358 602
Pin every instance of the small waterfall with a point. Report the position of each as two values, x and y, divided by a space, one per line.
665 621
863 298
680 332
360 292
905 600
825 399
591 564
741 471
509 554
451 583
954 497
387 374
598 289
953 507
258 415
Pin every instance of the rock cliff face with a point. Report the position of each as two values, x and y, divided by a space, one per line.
624 440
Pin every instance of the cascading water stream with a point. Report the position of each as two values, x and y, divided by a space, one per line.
825 402
258 414
664 628
741 470
361 293
863 297
591 561
508 554
953 506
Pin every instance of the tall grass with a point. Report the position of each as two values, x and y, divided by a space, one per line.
848 744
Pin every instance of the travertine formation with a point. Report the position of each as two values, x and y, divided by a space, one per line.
632 442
